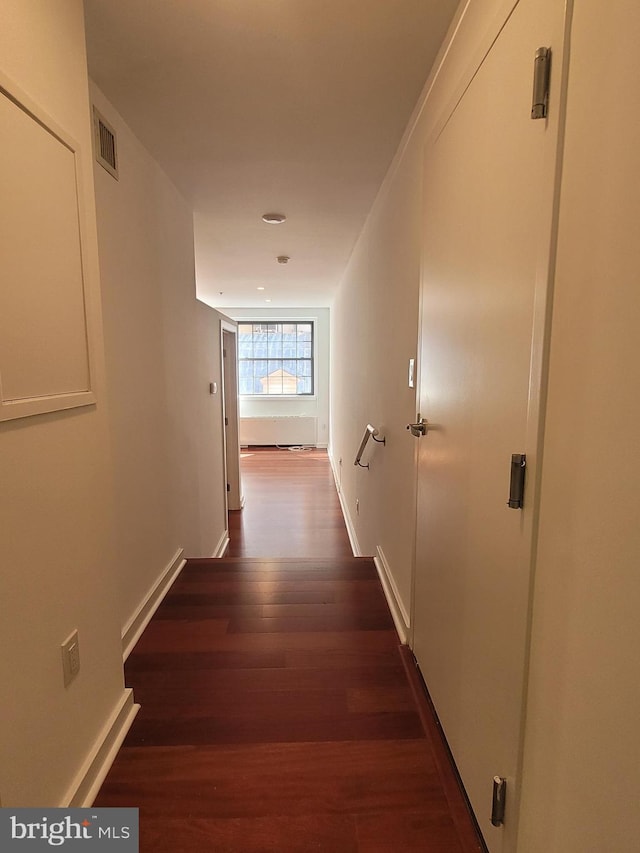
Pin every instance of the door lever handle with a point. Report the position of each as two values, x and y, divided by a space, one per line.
420 428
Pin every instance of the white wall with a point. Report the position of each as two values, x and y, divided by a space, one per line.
56 500
318 405
162 350
375 330
96 501
582 750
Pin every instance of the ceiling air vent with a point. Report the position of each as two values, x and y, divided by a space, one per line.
105 144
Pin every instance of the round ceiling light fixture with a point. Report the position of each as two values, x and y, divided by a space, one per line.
274 218
283 259
259 288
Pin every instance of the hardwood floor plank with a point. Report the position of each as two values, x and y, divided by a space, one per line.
340 658
219 587
196 684
201 661
337 614
231 563
275 834
418 830
288 705
379 699
293 572
284 624
267 596
285 728
331 609
195 636
284 778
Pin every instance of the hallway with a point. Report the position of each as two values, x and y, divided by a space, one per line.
291 507
277 714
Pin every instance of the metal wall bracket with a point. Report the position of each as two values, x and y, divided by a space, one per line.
370 432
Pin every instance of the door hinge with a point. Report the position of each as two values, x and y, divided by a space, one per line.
228 487
516 485
499 800
541 76
226 421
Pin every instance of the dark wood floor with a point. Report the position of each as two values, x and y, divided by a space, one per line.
277 714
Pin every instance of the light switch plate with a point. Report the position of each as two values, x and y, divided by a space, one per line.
70 658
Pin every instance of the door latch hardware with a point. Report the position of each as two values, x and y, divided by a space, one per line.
516 487
541 74
419 428
499 800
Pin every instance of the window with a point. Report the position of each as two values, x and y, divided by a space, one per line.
275 358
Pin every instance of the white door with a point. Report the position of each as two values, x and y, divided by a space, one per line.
489 178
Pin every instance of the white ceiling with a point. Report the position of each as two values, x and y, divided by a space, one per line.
254 106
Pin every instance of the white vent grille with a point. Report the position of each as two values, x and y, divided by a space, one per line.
105 144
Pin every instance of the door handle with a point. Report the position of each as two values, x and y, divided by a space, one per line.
420 428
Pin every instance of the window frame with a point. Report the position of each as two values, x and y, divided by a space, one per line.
286 321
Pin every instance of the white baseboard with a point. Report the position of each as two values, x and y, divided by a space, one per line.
152 601
400 616
92 774
332 462
222 545
351 533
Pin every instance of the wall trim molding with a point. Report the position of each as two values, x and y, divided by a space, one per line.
93 771
401 618
353 539
141 618
399 613
223 543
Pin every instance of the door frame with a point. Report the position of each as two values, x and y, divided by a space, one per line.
234 498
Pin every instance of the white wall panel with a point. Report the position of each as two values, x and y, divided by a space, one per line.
44 335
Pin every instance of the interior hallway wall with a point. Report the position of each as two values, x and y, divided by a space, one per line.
162 351
56 500
374 331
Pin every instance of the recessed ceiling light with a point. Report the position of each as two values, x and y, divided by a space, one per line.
283 259
274 218
267 300
260 288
